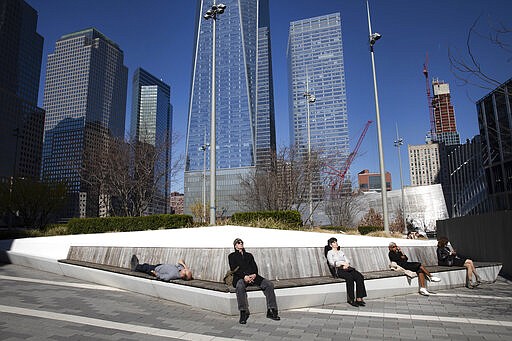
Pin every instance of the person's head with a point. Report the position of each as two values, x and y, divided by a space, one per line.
333 243
442 242
238 244
186 274
392 246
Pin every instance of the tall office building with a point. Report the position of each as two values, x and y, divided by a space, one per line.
151 123
494 121
85 103
21 130
245 131
424 164
316 69
444 114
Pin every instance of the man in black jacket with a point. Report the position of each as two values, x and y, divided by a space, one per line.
245 275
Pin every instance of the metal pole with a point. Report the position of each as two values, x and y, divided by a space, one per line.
398 143
213 161
309 154
379 133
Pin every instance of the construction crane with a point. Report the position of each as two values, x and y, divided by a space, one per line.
339 175
432 133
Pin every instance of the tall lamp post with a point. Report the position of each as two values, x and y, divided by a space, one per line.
398 143
212 14
373 38
309 99
203 148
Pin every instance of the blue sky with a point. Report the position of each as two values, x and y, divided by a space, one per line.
158 36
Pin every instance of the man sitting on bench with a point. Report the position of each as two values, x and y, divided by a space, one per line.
163 272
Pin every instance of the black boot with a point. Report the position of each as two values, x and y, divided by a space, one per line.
273 314
243 317
134 262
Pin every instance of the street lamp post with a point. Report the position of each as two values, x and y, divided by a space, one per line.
373 38
399 142
212 14
203 148
309 99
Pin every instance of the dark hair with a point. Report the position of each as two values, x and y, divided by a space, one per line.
331 240
442 242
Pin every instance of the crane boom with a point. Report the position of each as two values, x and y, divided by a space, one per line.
432 131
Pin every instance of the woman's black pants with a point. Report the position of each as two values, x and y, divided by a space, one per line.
350 277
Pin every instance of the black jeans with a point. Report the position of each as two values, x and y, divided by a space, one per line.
268 291
146 268
350 277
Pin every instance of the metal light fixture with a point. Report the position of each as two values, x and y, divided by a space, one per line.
309 99
398 143
212 14
372 39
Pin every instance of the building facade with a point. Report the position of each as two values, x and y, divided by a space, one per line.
21 130
245 131
467 179
444 114
424 164
176 202
495 124
85 103
151 123
370 182
316 88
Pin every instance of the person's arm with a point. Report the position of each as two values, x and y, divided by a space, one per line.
330 258
182 263
442 254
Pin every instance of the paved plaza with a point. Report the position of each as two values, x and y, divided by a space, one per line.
37 305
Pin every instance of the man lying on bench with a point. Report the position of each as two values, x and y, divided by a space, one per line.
163 272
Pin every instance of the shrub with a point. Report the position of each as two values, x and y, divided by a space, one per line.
291 219
126 224
367 229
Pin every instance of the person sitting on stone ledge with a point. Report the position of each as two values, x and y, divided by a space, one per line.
163 272
341 265
396 255
246 274
449 257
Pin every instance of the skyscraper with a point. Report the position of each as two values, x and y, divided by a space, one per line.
316 68
151 122
444 114
21 130
85 103
245 135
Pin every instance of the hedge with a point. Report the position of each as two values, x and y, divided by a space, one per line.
291 218
126 224
368 229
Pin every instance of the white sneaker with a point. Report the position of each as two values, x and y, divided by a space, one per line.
435 279
424 292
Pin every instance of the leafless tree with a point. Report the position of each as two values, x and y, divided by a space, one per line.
341 206
372 218
468 68
128 176
284 185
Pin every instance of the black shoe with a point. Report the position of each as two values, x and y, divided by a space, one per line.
243 317
273 314
361 303
134 262
353 303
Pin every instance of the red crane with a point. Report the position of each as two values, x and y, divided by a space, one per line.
340 174
432 131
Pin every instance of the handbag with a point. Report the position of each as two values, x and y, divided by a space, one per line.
228 277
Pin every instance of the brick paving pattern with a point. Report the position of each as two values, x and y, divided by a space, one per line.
36 305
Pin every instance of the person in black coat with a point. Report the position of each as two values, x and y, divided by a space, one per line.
246 274
449 257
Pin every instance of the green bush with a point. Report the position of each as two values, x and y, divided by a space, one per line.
290 218
367 229
127 224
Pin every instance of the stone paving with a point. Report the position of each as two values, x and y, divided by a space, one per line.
36 305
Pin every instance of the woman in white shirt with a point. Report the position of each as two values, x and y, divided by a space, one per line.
337 259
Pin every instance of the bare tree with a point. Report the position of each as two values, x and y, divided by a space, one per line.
468 68
129 176
341 206
372 218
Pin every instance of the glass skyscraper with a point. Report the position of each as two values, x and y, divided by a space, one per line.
151 122
315 67
85 103
245 124
21 130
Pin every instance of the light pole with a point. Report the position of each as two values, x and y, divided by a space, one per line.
399 142
373 38
203 148
309 99
212 14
